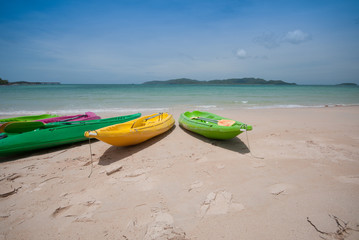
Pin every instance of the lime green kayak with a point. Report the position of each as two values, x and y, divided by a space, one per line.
54 134
28 118
211 125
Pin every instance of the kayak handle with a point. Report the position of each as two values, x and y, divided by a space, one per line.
92 133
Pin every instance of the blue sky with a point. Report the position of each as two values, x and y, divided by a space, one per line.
132 41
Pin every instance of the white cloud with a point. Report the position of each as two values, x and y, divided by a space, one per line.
296 37
241 53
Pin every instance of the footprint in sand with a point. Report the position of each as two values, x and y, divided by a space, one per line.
82 212
162 228
136 175
194 185
60 210
220 202
280 188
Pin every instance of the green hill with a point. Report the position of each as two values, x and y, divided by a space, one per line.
6 82
347 84
231 81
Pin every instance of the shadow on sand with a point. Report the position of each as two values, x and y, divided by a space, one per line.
234 144
114 154
39 152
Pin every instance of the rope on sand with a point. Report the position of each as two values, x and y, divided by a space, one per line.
90 157
249 147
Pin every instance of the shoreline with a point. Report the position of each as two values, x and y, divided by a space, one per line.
297 164
111 112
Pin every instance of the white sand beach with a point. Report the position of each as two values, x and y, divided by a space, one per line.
297 170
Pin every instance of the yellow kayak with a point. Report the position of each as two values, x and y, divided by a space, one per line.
135 131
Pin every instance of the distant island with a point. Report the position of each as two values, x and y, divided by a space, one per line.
231 81
6 82
347 84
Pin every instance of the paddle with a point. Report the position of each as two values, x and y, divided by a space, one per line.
73 118
222 122
205 119
153 116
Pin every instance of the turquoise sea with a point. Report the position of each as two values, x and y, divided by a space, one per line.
117 98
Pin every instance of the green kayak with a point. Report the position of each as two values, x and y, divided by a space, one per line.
27 118
211 125
54 134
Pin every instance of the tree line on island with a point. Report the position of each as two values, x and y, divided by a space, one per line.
230 81
6 82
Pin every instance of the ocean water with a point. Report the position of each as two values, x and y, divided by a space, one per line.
117 98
